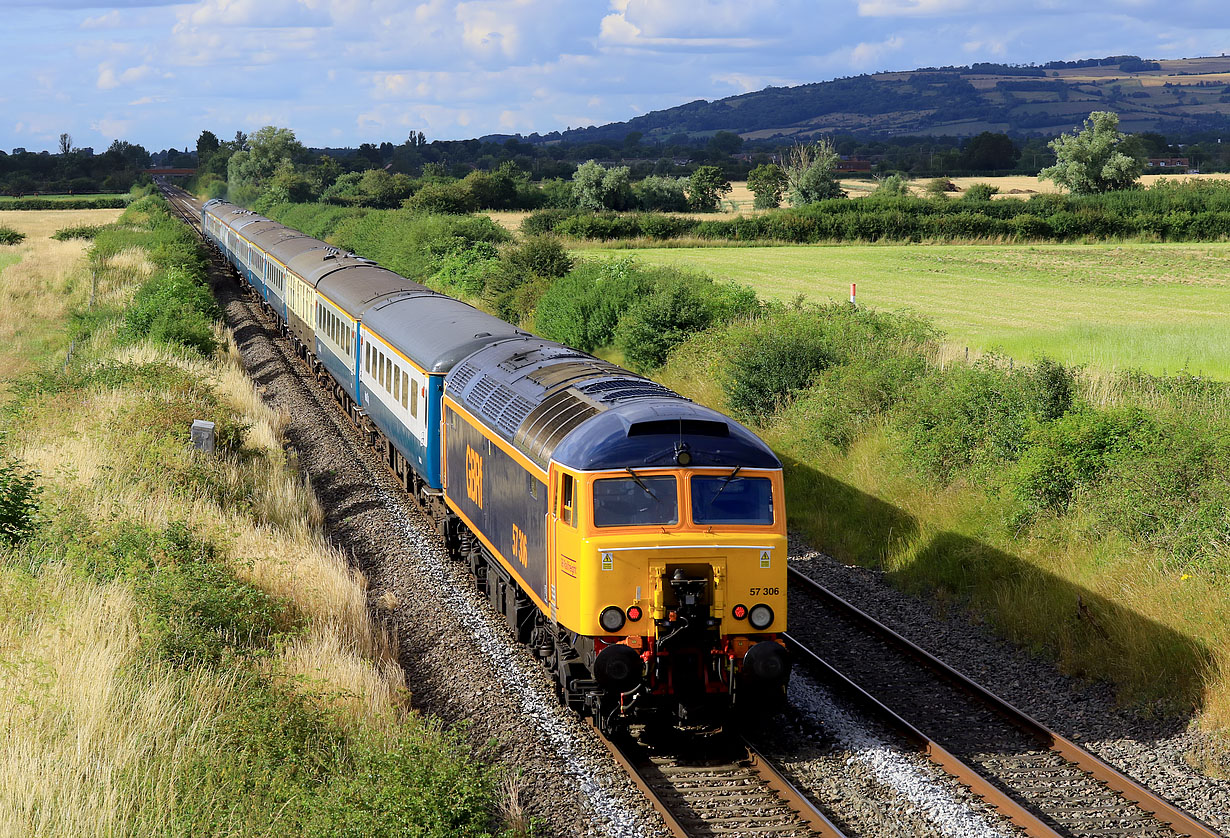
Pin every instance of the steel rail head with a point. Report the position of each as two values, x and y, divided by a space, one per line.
938 754
1149 801
793 798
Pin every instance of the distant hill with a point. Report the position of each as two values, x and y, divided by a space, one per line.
1173 95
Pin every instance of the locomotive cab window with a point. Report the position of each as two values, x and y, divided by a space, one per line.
731 499
636 501
567 500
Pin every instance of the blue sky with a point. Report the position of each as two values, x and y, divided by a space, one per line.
342 72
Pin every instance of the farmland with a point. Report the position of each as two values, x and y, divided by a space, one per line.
1156 307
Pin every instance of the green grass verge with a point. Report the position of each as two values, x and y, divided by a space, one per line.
1157 307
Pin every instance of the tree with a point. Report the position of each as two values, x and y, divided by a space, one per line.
206 146
597 188
811 173
658 193
989 151
768 183
269 150
1092 160
979 192
66 144
706 187
725 143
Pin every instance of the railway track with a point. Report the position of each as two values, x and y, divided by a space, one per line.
1041 782
731 791
1045 784
716 785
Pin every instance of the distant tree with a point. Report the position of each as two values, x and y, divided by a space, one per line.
811 173
768 183
597 188
206 145
725 143
706 187
66 144
632 139
989 151
659 193
1092 160
270 150
240 143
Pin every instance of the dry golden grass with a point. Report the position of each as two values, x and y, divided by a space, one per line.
93 742
95 737
49 279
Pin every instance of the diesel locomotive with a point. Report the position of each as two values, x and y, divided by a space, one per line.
634 540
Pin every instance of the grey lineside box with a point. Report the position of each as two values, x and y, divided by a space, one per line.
203 438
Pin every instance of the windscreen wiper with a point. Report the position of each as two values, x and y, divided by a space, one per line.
641 483
725 483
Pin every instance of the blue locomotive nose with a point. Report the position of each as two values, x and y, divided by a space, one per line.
618 668
767 664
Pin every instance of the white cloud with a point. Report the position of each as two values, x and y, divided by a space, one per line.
867 55
910 8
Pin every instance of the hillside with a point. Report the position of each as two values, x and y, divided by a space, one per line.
1169 96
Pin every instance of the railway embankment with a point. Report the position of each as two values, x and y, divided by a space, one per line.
1079 513
185 650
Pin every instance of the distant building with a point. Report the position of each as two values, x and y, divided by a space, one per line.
847 164
1170 163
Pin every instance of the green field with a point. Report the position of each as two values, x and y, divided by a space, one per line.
88 196
1156 307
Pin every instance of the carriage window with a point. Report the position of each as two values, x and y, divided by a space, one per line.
405 387
636 501
396 385
731 499
414 398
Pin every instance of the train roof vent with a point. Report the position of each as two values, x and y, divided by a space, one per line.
500 404
464 373
567 372
550 422
612 390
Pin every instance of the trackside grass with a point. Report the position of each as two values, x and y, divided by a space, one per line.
184 651
1156 307
1083 515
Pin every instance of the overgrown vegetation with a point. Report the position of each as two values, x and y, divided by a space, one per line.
10 236
186 653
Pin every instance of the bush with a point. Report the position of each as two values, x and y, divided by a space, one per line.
174 308
583 308
541 255
10 236
418 246
449 198
18 501
82 232
980 192
679 306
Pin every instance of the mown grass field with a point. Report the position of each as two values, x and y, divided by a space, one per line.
1157 307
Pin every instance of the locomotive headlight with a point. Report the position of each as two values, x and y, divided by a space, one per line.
611 618
761 616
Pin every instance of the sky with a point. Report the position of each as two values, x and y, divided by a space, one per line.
344 72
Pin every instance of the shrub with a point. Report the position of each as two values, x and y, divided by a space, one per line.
979 192
10 236
18 501
82 232
583 308
541 255
679 306
658 193
545 220
449 198
173 308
